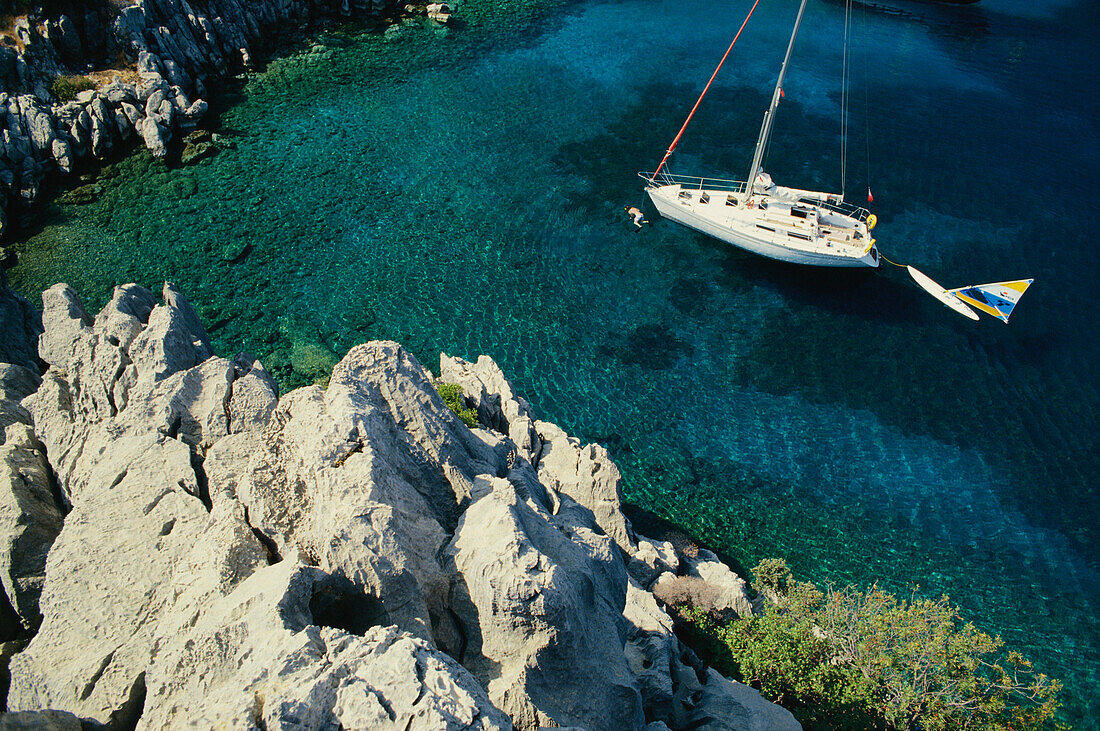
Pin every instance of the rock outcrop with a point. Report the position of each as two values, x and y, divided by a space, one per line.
180 50
347 557
21 327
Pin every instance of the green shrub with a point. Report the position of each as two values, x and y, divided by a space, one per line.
866 659
65 88
452 396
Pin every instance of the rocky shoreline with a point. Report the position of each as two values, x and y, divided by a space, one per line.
183 546
178 50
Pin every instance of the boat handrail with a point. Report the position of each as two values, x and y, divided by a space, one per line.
845 209
693 182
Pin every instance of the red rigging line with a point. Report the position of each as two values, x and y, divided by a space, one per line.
705 89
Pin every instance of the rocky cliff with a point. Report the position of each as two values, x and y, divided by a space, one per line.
179 49
181 546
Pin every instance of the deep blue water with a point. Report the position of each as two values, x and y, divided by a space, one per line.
463 192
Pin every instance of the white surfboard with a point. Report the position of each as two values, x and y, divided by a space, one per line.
934 289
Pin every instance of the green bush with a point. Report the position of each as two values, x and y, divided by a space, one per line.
848 658
65 88
452 396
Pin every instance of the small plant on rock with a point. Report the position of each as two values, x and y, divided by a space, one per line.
452 396
65 88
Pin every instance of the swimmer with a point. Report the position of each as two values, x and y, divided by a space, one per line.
636 215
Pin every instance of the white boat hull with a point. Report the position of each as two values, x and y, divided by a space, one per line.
748 229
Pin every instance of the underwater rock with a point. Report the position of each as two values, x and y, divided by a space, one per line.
197 151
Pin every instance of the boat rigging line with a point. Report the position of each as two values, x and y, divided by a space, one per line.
845 76
705 90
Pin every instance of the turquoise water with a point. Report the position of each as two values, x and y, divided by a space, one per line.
463 192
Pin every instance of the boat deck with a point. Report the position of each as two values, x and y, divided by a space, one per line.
786 224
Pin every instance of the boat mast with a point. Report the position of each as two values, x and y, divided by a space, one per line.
766 126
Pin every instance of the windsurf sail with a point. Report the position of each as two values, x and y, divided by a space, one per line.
995 299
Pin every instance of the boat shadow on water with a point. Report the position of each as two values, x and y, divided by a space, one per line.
864 293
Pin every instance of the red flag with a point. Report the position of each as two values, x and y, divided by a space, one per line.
870 198
782 94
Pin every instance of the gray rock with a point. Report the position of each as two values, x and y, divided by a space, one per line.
17 382
122 122
133 114
136 544
125 315
258 659
29 522
651 648
652 559
22 325
400 457
40 125
541 598
205 497
191 116
175 74
155 137
731 593
495 400
255 396
118 92
588 475
62 153
39 721
174 340
66 322
12 412
101 137
722 704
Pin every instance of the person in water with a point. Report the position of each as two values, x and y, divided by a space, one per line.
637 215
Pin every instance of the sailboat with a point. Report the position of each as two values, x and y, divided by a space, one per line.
788 224
794 225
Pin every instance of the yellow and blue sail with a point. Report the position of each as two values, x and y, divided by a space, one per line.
997 298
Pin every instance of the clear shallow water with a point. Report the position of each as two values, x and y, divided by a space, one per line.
464 193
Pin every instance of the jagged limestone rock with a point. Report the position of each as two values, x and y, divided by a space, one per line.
17 382
730 588
541 598
588 475
136 539
39 721
258 659
187 481
255 396
30 520
495 400
376 460
652 559
650 650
